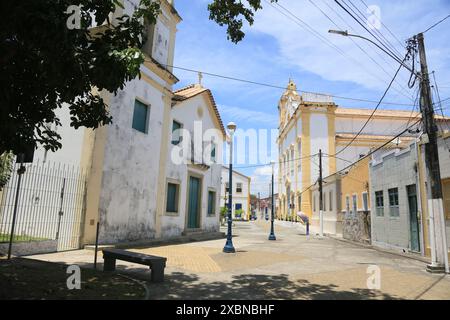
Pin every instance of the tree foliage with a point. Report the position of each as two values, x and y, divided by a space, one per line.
44 65
231 13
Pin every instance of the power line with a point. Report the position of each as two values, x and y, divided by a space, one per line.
280 87
369 154
435 87
373 112
361 23
377 31
308 28
277 162
364 157
378 148
413 109
334 156
434 25
388 52
392 34
355 42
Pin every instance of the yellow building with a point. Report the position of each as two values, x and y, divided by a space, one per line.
309 123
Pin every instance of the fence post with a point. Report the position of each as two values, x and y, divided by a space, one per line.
96 246
60 213
20 172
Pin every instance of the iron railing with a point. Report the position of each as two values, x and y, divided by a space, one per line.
50 204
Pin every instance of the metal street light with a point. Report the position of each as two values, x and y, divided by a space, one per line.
346 34
272 233
229 248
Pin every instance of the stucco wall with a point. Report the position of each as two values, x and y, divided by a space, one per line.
356 227
396 169
128 195
187 112
332 220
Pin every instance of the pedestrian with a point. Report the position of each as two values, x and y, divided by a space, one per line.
305 220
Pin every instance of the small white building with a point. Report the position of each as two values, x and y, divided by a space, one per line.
193 171
241 193
398 184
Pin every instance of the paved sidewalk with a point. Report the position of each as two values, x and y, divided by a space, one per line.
294 266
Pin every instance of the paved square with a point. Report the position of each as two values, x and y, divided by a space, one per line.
294 266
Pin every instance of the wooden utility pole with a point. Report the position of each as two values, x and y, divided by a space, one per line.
435 208
320 194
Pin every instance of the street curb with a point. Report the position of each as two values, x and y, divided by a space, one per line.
369 246
161 242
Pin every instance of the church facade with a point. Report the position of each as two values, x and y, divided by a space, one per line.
309 123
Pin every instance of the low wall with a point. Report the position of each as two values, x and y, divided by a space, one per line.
357 228
30 247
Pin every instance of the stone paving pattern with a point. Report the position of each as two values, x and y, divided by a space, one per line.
295 266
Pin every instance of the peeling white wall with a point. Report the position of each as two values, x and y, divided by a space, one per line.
186 113
130 170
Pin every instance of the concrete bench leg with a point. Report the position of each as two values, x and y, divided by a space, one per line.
109 264
157 272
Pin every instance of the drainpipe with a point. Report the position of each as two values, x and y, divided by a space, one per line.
419 196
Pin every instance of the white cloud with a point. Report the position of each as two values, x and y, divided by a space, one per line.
262 179
303 50
241 114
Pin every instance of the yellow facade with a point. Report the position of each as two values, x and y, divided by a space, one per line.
289 121
296 124
356 182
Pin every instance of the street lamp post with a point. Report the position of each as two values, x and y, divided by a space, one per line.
229 248
272 233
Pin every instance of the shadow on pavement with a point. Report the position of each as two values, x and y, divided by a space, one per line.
179 285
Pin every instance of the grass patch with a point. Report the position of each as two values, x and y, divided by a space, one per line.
37 280
4 237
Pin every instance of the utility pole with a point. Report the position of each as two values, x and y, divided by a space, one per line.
435 207
320 194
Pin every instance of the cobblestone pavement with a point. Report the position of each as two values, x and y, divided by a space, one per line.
294 266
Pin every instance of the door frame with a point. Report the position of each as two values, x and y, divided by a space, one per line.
418 221
200 199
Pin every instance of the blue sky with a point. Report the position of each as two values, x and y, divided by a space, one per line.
277 48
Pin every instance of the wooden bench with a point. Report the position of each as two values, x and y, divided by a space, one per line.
156 264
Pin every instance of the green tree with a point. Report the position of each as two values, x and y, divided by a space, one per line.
6 161
230 13
44 65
